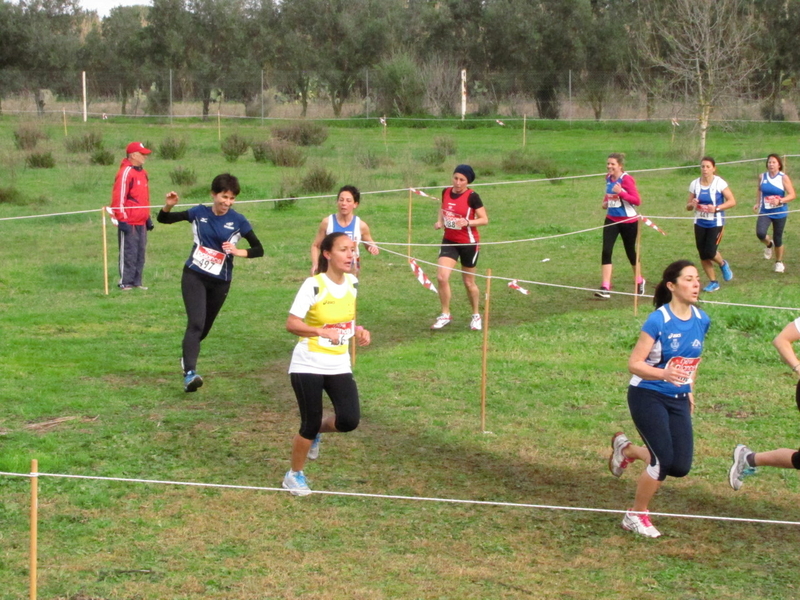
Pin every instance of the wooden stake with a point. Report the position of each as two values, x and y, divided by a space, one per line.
219 126
105 251
34 524
638 269
65 121
524 129
410 204
485 347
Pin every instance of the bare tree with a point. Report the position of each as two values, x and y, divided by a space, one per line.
704 47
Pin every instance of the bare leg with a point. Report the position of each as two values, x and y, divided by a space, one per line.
646 488
606 273
637 453
718 259
779 254
473 293
776 458
443 282
300 446
708 268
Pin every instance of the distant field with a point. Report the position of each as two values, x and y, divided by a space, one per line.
555 393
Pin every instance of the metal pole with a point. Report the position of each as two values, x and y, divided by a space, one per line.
170 96
463 93
262 96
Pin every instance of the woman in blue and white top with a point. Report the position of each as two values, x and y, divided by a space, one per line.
207 274
709 198
660 395
775 189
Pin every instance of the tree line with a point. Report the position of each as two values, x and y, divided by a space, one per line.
408 53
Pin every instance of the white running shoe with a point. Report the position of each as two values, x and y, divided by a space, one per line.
295 482
779 268
602 293
476 324
740 468
640 287
768 251
640 523
442 320
618 462
313 452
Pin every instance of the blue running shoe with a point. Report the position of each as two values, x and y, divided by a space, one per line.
192 381
727 274
712 286
295 482
313 452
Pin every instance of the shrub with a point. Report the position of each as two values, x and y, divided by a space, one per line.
370 159
399 87
520 163
302 133
279 153
26 137
319 180
183 176
234 146
88 142
101 157
433 157
446 144
40 160
172 148
10 195
289 193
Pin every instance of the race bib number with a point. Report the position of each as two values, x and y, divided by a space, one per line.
450 220
701 214
613 201
688 366
208 259
346 331
772 201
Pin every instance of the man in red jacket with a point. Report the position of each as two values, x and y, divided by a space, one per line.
130 207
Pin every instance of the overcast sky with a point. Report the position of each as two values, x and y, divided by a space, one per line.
102 7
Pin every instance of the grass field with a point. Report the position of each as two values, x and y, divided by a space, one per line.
556 385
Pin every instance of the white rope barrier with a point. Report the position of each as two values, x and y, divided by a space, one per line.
438 187
574 287
398 497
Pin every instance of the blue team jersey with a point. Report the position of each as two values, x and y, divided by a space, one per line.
707 199
618 209
210 232
676 340
769 187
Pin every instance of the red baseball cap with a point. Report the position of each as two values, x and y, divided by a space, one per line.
137 147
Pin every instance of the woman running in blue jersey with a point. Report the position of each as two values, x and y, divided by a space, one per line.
344 219
664 365
620 202
709 197
323 316
207 273
775 190
745 460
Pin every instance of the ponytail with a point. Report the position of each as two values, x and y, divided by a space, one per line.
662 294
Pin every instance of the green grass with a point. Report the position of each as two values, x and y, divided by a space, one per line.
555 391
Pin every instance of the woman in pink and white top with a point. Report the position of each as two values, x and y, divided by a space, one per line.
620 200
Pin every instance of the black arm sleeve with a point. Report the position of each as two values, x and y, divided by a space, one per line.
172 217
475 201
256 249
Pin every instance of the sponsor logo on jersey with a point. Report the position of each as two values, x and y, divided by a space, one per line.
697 344
228 225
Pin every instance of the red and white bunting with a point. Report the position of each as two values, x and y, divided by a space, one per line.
111 212
516 286
421 276
383 121
649 223
421 193
499 122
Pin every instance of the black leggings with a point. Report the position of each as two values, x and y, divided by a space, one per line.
203 297
610 234
665 424
762 226
707 240
342 391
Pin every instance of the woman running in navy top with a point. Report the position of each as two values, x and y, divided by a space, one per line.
664 364
207 273
775 190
